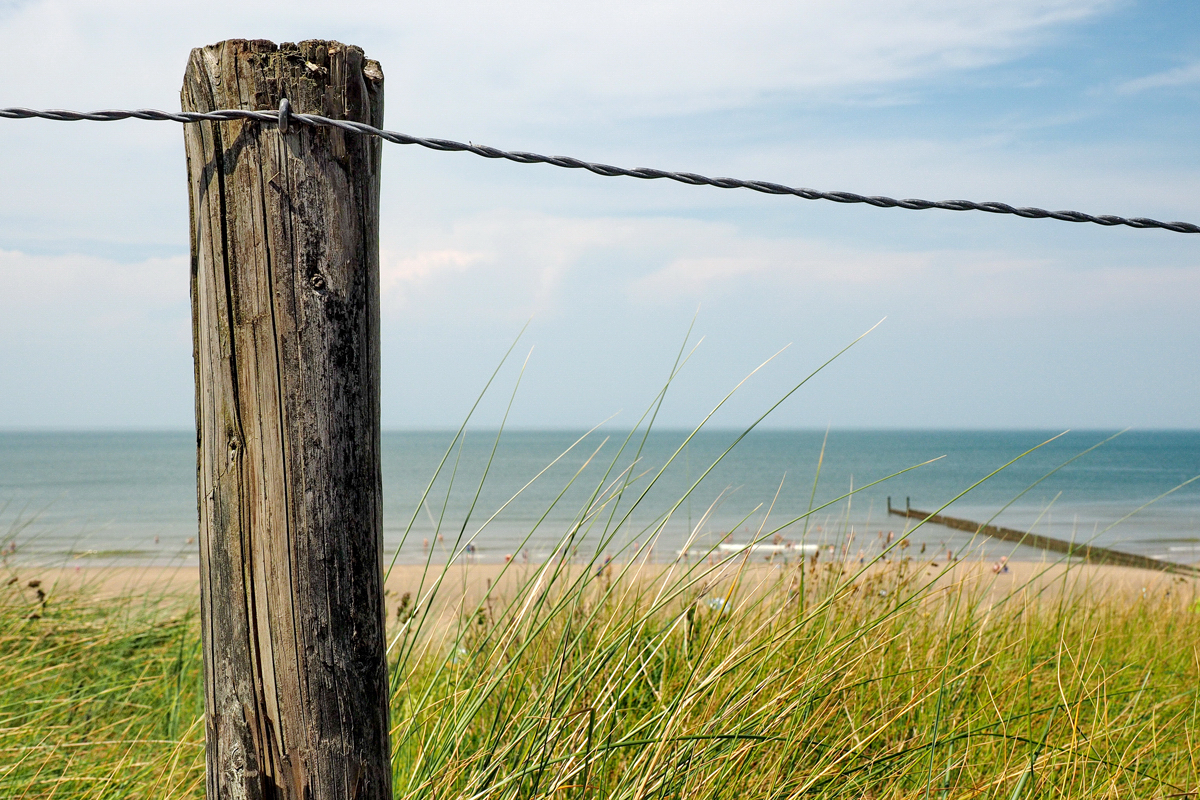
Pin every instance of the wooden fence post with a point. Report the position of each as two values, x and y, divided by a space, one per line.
285 310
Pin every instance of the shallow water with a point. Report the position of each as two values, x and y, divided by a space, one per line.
130 496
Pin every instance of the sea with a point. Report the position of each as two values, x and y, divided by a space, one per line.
93 498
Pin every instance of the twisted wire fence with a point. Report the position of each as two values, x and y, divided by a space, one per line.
284 119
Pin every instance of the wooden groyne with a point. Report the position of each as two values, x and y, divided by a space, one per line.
1089 553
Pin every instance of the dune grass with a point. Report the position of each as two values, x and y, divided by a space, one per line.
98 698
648 681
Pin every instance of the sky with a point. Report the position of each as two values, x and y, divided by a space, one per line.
987 321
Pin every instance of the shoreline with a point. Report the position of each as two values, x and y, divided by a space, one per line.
468 584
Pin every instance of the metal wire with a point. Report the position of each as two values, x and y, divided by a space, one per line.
285 117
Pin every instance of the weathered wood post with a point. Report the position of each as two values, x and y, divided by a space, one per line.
285 310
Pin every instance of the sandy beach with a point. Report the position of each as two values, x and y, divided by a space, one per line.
465 586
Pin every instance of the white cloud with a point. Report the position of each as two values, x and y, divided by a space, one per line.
513 265
400 274
962 284
538 57
609 56
503 263
1184 75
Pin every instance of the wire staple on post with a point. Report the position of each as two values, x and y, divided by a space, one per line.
284 118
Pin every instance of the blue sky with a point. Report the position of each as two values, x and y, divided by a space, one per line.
990 322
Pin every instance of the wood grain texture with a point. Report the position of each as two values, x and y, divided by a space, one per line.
285 309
